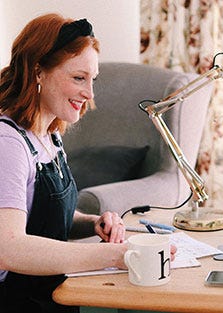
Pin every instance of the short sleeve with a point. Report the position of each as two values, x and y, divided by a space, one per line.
14 173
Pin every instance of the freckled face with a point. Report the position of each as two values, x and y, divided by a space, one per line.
68 86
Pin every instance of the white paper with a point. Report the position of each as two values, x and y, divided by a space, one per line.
189 250
106 271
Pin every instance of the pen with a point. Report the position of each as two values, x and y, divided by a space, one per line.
145 230
150 229
157 225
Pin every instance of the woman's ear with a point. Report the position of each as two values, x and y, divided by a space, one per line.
38 72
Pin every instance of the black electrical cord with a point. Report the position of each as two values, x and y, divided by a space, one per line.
146 208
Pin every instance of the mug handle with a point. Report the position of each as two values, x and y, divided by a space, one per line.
127 259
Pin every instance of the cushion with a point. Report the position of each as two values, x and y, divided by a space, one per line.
94 166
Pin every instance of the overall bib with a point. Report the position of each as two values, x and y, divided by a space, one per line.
51 216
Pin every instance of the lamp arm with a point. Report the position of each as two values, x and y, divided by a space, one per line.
184 92
193 179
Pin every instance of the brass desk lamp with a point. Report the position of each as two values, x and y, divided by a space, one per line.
194 218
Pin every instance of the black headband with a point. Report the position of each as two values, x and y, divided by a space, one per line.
68 33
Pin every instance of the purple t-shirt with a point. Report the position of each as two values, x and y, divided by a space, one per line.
18 169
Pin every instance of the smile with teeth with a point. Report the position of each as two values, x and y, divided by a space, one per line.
76 104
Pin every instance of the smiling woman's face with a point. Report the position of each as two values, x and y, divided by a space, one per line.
65 88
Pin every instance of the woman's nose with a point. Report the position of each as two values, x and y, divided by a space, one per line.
88 92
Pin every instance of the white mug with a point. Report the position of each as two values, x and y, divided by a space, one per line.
148 259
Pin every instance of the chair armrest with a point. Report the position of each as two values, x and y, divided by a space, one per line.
153 190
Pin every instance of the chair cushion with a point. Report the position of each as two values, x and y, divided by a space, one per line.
94 166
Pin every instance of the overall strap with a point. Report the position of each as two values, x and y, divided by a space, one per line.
23 133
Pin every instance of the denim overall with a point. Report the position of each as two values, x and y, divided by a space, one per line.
51 216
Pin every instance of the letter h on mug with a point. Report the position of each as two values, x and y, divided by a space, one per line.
148 259
164 262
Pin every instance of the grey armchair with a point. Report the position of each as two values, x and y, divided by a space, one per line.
118 123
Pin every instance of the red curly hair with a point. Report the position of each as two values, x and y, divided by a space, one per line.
19 98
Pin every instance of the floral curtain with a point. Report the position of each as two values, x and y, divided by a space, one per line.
184 35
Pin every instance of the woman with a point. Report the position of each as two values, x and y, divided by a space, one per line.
47 86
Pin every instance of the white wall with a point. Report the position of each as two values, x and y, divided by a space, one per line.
116 23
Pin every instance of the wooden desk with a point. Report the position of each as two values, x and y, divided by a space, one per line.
185 292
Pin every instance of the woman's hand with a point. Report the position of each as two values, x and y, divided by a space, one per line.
110 227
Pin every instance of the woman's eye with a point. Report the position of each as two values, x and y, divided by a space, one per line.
79 78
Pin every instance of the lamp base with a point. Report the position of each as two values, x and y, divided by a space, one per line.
202 219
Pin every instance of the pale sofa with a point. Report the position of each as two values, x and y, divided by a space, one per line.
118 123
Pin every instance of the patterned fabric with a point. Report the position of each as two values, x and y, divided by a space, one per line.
184 35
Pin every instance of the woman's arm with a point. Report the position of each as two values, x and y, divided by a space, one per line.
33 255
83 225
